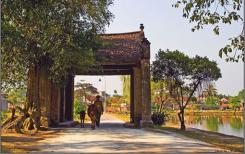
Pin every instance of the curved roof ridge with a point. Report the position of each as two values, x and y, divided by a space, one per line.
136 36
126 33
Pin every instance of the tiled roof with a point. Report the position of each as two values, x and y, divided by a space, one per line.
121 47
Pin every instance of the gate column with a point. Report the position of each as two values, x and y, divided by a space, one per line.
146 94
137 95
131 98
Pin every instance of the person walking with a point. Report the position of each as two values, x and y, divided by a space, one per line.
100 110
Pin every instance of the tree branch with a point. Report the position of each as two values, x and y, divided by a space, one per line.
191 94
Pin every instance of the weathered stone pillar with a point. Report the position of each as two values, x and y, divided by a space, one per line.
137 95
146 93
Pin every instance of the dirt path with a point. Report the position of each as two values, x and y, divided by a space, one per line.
111 137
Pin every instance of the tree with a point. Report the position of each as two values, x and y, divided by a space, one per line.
212 102
211 96
211 90
241 94
235 101
16 96
84 89
63 31
160 94
216 13
183 75
220 96
126 87
60 36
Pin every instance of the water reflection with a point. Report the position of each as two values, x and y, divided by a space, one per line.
213 123
230 125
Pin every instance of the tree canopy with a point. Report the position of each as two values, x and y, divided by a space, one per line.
216 13
64 32
83 90
175 65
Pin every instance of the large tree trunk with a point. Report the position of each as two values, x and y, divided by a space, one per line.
33 98
182 119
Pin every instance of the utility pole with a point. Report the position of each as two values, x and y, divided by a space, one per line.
104 104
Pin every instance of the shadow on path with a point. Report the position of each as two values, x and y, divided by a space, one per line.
112 137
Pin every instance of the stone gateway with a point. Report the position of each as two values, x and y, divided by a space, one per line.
122 54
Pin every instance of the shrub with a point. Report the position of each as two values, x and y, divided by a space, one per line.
78 107
158 118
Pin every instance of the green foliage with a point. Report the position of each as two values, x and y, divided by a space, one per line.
155 107
60 34
212 102
193 99
78 107
160 94
235 101
241 94
158 118
183 75
4 116
211 90
216 13
16 96
126 87
220 96
157 88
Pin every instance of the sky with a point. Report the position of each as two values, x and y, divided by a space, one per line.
165 28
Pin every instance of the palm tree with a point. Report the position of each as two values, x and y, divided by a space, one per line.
212 91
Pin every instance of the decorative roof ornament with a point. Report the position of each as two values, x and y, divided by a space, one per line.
142 27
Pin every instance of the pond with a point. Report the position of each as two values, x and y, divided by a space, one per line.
229 125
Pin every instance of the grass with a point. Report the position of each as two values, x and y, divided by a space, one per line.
227 142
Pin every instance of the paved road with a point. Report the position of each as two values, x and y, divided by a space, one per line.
111 137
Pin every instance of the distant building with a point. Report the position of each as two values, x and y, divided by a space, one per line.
223 104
